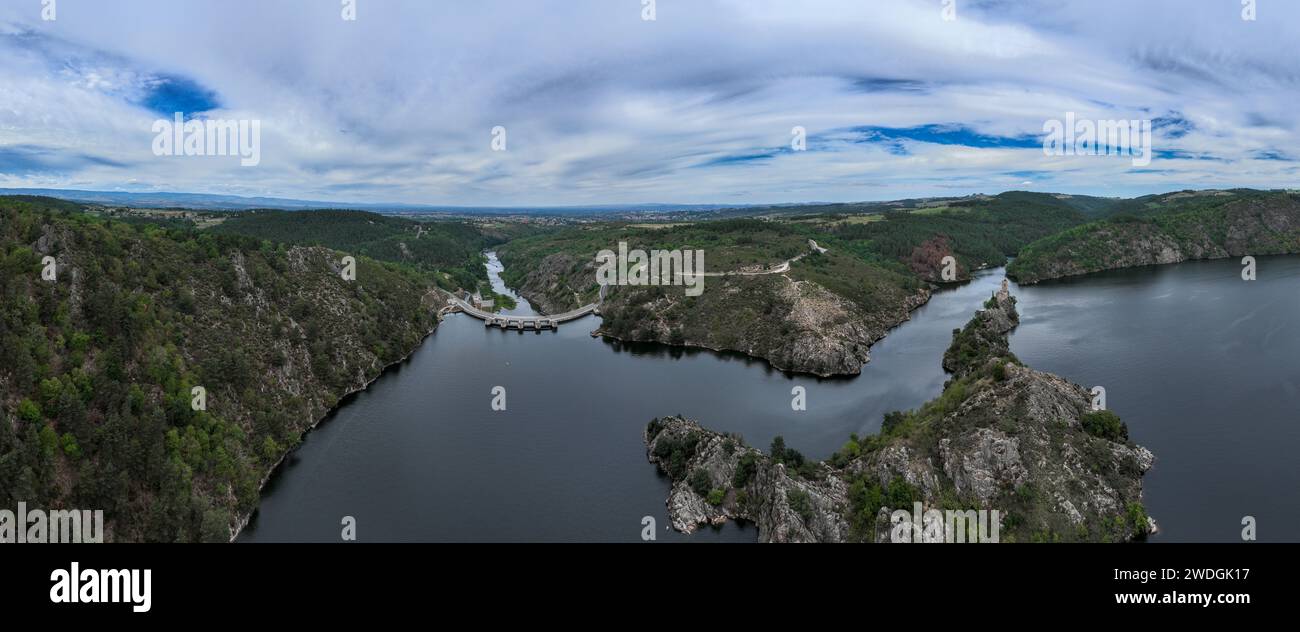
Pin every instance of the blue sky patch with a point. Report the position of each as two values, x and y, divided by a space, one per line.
169 95
944 134
1030 174
1172 125
1176 154
880 84
1273 155
739 159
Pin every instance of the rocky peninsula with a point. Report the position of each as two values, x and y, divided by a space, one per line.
1001 436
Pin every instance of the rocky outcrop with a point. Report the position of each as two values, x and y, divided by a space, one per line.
785 507
1001 437
985 335
796 325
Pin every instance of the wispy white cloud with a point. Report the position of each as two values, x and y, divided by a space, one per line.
603 107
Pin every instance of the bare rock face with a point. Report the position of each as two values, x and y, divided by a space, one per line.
980 463
1002 437
829 336
1019 445
784 507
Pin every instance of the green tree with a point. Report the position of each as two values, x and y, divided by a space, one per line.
50 390
49 441
70 446
29 411
270 449
746 468
799 502
700 481
778 449
1106 425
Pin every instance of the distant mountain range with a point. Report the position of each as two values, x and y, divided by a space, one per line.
213 202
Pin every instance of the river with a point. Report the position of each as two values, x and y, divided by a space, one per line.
1201 365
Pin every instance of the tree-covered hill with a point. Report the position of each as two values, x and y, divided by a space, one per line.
1167 229
978 232
818 315
450 248
556 270
98 365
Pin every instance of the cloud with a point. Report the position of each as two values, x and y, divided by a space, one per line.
30 159
603 107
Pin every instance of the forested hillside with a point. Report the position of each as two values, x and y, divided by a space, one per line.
451 248
98 365
978 232
820 315
1168 229
556 270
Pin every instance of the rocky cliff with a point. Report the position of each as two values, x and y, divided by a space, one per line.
1242 224
797 325
749 486
1001 436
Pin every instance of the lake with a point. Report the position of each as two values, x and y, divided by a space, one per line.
1200 364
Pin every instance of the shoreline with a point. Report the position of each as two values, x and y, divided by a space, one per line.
244 520
925 300
924 297
1078 275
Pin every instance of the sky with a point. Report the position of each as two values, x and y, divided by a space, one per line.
599 105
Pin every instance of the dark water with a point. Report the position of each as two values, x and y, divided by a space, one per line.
1201 365
1204 368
